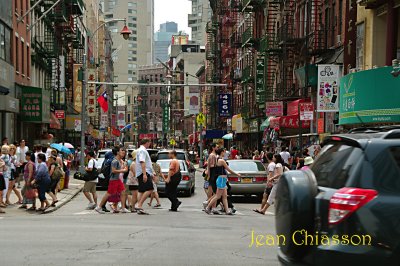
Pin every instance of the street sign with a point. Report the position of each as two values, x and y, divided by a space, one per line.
306 111
172 142
260 80
224 104
60 114
201 119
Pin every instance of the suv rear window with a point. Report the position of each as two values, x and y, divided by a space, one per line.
387 170
164 156
335 164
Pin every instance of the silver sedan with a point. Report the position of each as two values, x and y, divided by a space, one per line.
253 180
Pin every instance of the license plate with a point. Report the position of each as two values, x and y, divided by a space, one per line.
247 180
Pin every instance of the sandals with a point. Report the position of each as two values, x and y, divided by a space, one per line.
23 207
32 209
140 211
54 203
157 206
18 202
258 211
2 205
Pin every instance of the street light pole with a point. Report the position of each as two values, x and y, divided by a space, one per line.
125 33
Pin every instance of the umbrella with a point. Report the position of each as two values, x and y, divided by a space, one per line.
68 145
60 148
228 136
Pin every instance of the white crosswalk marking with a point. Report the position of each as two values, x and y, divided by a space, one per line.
84 212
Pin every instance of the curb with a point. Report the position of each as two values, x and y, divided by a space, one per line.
58 206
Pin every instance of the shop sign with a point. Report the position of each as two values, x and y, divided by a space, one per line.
166 118
370 96
328 88
224 104
293 122
77 85
60 114
274 109
253 127
91 94
260 81
35 105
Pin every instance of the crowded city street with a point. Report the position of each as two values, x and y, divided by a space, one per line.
75 236
199 132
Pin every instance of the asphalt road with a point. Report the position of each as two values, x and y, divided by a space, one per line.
75 236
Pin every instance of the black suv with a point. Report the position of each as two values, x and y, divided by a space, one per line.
346 209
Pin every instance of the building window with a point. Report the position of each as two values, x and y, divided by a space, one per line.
16 54
26 8
21 9
129 118
155 91
28 62
340 16
151 103
360 46
151 91
5 43
129 99
155 103
22 58
132 5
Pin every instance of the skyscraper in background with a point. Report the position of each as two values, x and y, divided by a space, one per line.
129 54
201 14
162 40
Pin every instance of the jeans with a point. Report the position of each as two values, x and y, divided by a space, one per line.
171 190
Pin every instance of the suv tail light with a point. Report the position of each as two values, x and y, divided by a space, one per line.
233 179
185 178
348 200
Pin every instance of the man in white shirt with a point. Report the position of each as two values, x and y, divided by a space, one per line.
144 173
89 189
285 155
271 170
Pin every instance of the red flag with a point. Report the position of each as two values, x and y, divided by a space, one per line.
116 132
103 102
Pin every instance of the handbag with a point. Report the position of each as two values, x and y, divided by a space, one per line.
31 194
92 175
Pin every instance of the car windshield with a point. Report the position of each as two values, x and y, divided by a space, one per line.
246 166
102 154
164 156
335 164
164 164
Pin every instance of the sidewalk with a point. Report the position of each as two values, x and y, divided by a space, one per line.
64 196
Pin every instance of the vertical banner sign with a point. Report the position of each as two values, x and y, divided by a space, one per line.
260 81
77 89
166 118
306 111
91 94
159 126
103 122
194 100
274 109
224 104
328 88
121 118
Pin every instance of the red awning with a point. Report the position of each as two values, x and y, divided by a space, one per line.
292 122
54 122
293 107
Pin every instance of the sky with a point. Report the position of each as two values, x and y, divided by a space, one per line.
172 10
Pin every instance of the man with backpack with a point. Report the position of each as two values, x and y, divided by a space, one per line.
89 189
106 171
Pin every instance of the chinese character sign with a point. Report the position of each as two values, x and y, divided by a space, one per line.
224 104
260 82
194 100
91 94
77 89
328 88
165 119
35 105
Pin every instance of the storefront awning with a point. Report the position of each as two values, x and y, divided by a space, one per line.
215 134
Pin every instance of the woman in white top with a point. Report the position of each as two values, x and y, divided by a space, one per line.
13 176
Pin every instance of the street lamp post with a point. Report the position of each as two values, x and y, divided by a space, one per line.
125 34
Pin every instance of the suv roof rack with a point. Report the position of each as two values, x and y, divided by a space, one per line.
374 129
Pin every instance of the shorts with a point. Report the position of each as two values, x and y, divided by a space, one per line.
89 187
206 184
154 187
13 175
221 182
127 191
53 185
133 187
43 187
2 182
115 187
145 186
213 183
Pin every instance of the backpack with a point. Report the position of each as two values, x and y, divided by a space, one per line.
58 172
106 168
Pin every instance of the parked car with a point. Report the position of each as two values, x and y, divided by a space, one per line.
187 184
350 198
150 151
180 155
253 180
